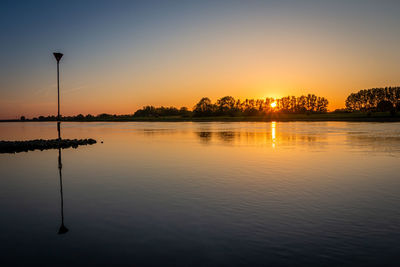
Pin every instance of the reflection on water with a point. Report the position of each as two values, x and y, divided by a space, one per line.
228 136
273 133
259 136
205 136
62 229
204 194
385 143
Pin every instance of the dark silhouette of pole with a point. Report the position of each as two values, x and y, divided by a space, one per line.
62 229
58 57
58 90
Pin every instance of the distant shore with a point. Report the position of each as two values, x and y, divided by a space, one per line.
356 117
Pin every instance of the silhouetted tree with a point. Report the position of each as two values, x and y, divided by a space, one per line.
80 117
311 102
204 107
226 105
322 105
370 99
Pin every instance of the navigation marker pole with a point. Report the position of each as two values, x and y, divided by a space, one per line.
58 57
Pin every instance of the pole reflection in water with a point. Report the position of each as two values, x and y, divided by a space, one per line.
62 229
59 129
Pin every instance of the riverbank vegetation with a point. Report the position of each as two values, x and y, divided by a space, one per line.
340 115
228 106
377 104
375 100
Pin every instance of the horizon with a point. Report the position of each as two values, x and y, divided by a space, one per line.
268 102
121 57
273 105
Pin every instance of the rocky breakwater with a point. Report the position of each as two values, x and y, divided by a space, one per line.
41 144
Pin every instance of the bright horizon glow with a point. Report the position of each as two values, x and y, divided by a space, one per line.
120 56
273 104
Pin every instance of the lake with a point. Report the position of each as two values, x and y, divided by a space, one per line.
203 194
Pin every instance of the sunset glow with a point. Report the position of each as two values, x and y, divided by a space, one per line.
151 55
273 105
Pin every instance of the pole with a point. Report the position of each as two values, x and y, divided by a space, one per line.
58 89
58 57
58 95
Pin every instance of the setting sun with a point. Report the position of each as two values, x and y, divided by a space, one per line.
273 104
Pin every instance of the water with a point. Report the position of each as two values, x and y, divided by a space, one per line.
204 194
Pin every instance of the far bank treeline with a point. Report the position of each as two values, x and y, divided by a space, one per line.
229 106
225 106
382 100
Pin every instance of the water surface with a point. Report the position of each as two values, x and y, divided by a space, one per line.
204 194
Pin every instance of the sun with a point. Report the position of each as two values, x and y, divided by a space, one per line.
273 104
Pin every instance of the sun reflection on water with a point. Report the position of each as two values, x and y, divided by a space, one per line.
273 133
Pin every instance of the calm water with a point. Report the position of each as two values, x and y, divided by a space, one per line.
204 194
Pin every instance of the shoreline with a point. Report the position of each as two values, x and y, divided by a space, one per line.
349 117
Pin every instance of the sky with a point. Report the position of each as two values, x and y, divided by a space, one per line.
122 55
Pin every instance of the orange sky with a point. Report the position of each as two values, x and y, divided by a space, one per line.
173 59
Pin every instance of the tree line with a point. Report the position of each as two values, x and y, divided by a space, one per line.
230 106
375 99
368 100
81 117
225 106
150 111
